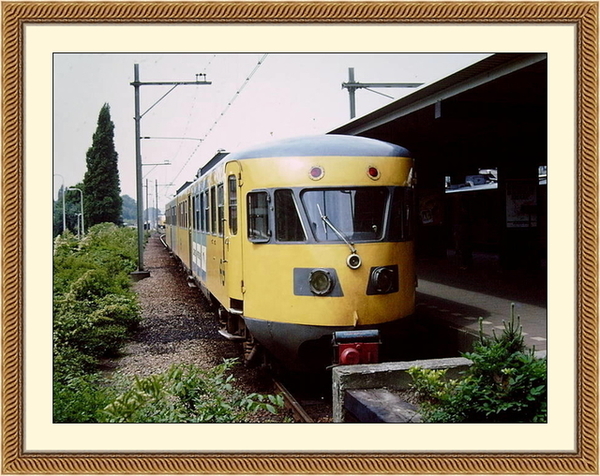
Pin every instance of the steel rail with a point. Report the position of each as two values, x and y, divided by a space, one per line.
293 404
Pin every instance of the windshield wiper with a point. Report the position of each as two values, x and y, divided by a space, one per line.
337 232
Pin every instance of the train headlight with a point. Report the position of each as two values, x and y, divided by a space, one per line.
321 282
383 280
353 261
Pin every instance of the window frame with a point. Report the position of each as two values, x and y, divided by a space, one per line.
206 212
220 209
384 225
213 210
232 191
301 223
253 235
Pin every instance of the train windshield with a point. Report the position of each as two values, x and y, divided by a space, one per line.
352 214
360 214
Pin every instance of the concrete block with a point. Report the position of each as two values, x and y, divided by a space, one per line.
390 375
380 406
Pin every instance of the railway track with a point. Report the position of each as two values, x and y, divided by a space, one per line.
307 396
302 397
300 414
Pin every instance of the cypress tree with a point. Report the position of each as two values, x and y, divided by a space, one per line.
101 189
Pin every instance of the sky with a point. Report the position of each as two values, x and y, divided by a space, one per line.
252 99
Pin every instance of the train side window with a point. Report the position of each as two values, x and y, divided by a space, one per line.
220 208
213 210
193 211
258 217
206 219
232 191
288 226
401 219
186 223
201 211
197 212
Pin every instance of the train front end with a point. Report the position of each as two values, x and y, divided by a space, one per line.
330 244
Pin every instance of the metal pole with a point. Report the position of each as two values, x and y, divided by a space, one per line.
82 225
352 93
140 273
138 169
64 210
81 197
147 206
156 203
352 86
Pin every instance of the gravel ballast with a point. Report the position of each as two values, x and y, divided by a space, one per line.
179 327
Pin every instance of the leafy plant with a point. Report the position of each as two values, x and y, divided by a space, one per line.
188 394
94 311
80 399
506 383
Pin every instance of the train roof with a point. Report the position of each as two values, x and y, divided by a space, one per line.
318 146
324 145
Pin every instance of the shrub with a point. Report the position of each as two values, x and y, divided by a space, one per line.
94 311
95 327
505 384
187 394
70 362
80 399
106 247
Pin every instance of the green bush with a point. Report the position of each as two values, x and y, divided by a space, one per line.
187 394
94 311
505 384
81 399
70 362
106 247
97 325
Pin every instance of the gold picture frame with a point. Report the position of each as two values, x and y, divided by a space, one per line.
583 15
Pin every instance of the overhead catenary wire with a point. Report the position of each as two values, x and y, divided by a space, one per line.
187 126
222 114
192 108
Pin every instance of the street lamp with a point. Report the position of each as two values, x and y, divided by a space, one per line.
81 196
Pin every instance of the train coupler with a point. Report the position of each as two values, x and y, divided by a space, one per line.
356 347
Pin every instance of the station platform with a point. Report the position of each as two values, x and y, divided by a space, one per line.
461 296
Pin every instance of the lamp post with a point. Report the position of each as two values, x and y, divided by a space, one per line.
81 197
78 215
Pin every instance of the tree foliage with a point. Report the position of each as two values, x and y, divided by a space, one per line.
101 187
129 209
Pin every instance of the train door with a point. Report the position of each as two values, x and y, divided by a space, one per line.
232 247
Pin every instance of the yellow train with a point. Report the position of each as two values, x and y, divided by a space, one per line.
299 239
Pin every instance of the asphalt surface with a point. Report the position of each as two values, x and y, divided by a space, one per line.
460 297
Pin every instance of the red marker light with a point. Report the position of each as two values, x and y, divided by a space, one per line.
373 172
316 172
